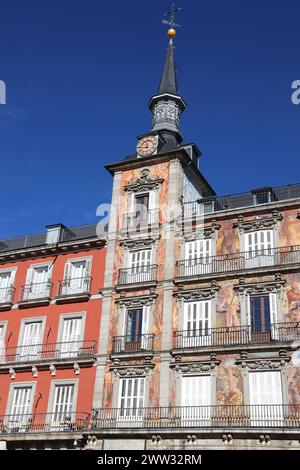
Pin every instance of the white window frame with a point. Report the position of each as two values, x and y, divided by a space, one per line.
50 409
275 310
133 414
260 413
192 412
34 352
12 272
198 256
23 423
68 280
261 252
69 316
32 288
197 312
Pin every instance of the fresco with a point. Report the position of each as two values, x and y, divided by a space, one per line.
228 306
291 298
290 229
229 383
228 240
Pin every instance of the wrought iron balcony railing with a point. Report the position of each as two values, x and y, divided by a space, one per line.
141 219
235 335
34 291
217 416
138 274
238 261
252 198
6 295
74 286
131 344
44 422
43 352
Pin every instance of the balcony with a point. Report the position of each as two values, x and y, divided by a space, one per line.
6 298
141 221
142 344
182 417
35 294
235 336
43 422
136 276
224 264
72 351
255 197
76 289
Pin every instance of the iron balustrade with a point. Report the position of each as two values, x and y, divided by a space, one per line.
130 344
141 219
235 335
238 261
234 201
51 351
44 422
215 416
74 286
39 290
137 274
6 295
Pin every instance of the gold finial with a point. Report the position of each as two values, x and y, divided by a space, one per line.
170 21
172 33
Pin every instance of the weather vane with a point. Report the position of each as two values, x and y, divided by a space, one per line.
170 20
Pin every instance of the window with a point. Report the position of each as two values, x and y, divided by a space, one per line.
30 345
263 316
21 407
198 257
38 282
6 282
139 266
2 342
136 329
265 392
196 398
143 207
131 398
71 337
197 323
259 247
63 404
76 277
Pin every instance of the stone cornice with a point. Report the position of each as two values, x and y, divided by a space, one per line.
193 367
137 301
263 363
138 243
204 232
258 224
135 371
261 287
144 183
202 293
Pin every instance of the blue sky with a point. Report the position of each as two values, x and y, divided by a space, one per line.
79 75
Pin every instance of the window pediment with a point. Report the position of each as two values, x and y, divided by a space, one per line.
201 293
260 288
144 183
262 223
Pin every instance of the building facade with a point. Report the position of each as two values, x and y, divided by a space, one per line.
196 318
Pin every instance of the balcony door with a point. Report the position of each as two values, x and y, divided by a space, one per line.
139 267
131 401
63 405
2 342
266 402
76 277
30 348
198 257
196 324
21 408
37 282
71 337
137 323
6 281
196 400
259 248
263 317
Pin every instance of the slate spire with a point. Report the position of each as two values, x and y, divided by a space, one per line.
168 82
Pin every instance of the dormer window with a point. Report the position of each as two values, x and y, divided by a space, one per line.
263 196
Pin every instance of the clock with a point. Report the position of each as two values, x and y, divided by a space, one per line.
147 145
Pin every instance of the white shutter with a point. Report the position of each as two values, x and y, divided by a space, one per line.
32 337
196 397
63 402
131 398
198 256
152 207
197 323
21 405
273 308
145 326
265 398
71 336
29 276
5 282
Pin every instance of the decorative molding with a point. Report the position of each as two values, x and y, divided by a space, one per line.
135 371
205 232
138 243
144 183
196 367
139 301
271 363
34 371
261 287
76 368
201 293
262 223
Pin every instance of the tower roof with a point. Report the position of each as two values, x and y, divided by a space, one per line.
168 82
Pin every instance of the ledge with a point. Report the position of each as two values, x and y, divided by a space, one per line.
71 298
135 286
5 306
34 302
44 364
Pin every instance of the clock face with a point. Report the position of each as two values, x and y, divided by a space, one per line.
146 145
